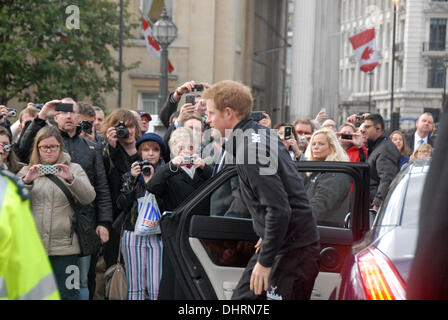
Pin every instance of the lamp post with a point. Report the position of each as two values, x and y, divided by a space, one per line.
164 31
393 65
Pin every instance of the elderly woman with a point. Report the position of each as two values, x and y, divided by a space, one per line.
8 159
423 151
51 208
172 184
328 192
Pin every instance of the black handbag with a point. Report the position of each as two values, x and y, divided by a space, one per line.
89 241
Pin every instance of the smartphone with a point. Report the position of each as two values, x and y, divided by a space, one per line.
64 107
48 170
287 133
347 136
198 88
190 98
257 115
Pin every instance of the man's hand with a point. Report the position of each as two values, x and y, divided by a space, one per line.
48 110
321 116
103 233
4 113
185 110
266 121
185 88
259 279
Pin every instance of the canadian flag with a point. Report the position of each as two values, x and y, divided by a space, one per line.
151 45
364 45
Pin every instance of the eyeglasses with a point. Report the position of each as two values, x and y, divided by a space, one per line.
52 147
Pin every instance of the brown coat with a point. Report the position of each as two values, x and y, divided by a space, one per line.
52 212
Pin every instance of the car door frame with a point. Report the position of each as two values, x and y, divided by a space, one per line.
190 273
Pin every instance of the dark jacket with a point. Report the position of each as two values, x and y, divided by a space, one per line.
172 185
120 163
384 162
277 201
329 195
85 153
132 188
168 109
410 140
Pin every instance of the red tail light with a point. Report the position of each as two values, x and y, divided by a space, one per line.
380 279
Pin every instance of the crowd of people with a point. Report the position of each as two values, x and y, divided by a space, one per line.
112 164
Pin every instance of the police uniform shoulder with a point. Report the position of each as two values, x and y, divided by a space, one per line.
21 188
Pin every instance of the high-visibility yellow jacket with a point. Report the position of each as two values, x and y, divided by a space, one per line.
25 270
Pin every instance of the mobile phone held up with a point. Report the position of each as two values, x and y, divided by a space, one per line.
257 115
64 107
190 98
48 170
287 133
346 136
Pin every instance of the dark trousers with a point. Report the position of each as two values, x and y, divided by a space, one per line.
66 272
292 276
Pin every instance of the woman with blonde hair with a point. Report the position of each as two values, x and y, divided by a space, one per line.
328 192
423 151
51 208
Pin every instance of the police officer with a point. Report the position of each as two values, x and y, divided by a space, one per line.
25 271
285 264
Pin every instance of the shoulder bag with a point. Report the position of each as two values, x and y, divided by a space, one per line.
89 241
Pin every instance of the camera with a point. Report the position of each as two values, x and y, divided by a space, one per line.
189 160
38 106
287 133
86 126
198 88
7 147
257 115
64 107
11 112
302 139
347 136
190 98
359 118
48 170
122 130
145 165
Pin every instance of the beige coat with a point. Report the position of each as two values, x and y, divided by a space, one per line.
52 212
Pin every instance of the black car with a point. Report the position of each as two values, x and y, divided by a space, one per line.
210 237
379 265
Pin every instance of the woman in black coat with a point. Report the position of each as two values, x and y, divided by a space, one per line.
172 184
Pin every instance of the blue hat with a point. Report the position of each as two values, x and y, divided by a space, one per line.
151 137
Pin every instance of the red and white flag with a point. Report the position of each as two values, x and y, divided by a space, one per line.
151 45
364 45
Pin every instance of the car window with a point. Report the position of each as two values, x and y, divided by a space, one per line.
391 209
412 202
331 195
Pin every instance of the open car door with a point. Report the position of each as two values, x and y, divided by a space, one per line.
209 249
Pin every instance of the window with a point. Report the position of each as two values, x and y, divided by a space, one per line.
437 34
149 103
436 73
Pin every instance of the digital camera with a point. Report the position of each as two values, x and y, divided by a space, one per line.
11 113
122 130
302 139
38 106
48 170
189 160
145 165
7 147
86 126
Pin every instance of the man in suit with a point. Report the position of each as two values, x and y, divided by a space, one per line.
422 133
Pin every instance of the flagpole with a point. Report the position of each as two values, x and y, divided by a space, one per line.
370 90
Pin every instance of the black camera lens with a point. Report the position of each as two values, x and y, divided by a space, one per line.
86 126
122 130
145 165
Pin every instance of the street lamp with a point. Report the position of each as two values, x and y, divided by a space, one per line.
393 66
164 31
